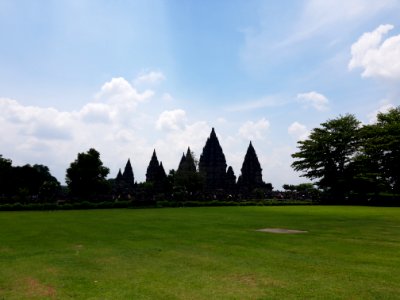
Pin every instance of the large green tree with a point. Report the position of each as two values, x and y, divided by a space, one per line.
328 153
86 176
36 181
381 152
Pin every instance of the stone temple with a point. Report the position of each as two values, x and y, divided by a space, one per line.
212 174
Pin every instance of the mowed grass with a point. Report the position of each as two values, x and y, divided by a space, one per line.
201 253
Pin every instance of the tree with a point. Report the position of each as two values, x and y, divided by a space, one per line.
27 182
379 162
5 176
328 154
86 176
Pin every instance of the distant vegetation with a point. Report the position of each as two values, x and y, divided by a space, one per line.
348 163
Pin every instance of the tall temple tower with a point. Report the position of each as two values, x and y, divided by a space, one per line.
212 164
251 176
187 163
155 170
125 182
128 176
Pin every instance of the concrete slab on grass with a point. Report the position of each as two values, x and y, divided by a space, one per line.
281 230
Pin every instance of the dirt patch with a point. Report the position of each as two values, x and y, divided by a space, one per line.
35 288
282 230
255 281
252 280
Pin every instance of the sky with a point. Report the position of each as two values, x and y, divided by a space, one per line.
127 77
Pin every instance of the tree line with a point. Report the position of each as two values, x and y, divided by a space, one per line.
353 162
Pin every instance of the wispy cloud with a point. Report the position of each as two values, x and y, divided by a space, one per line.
326 19
269 101
320 17
151 77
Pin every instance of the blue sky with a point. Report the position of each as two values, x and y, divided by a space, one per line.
126 77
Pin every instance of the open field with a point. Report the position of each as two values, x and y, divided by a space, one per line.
201 253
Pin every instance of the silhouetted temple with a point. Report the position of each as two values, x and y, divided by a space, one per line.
251 176
187 163
187 178
125 182
230 180
161 171
212 164
119 176
211 178
128 176
155 170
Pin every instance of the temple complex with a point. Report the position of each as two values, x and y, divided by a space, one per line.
212 175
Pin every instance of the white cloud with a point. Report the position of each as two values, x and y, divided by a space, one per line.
44 123
170 147
171 120
384 107
298 131
96 113
120 91
116 101
151 77
377 57
277 166
316 100
55 137
254 130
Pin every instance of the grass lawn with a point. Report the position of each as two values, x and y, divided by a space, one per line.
201 253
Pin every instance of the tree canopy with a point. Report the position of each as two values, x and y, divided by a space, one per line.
86 176
24 182
350 160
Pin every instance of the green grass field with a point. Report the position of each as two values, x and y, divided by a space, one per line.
201 253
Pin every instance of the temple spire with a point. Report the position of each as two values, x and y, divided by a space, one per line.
153 168
251 172
128 176
212 163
